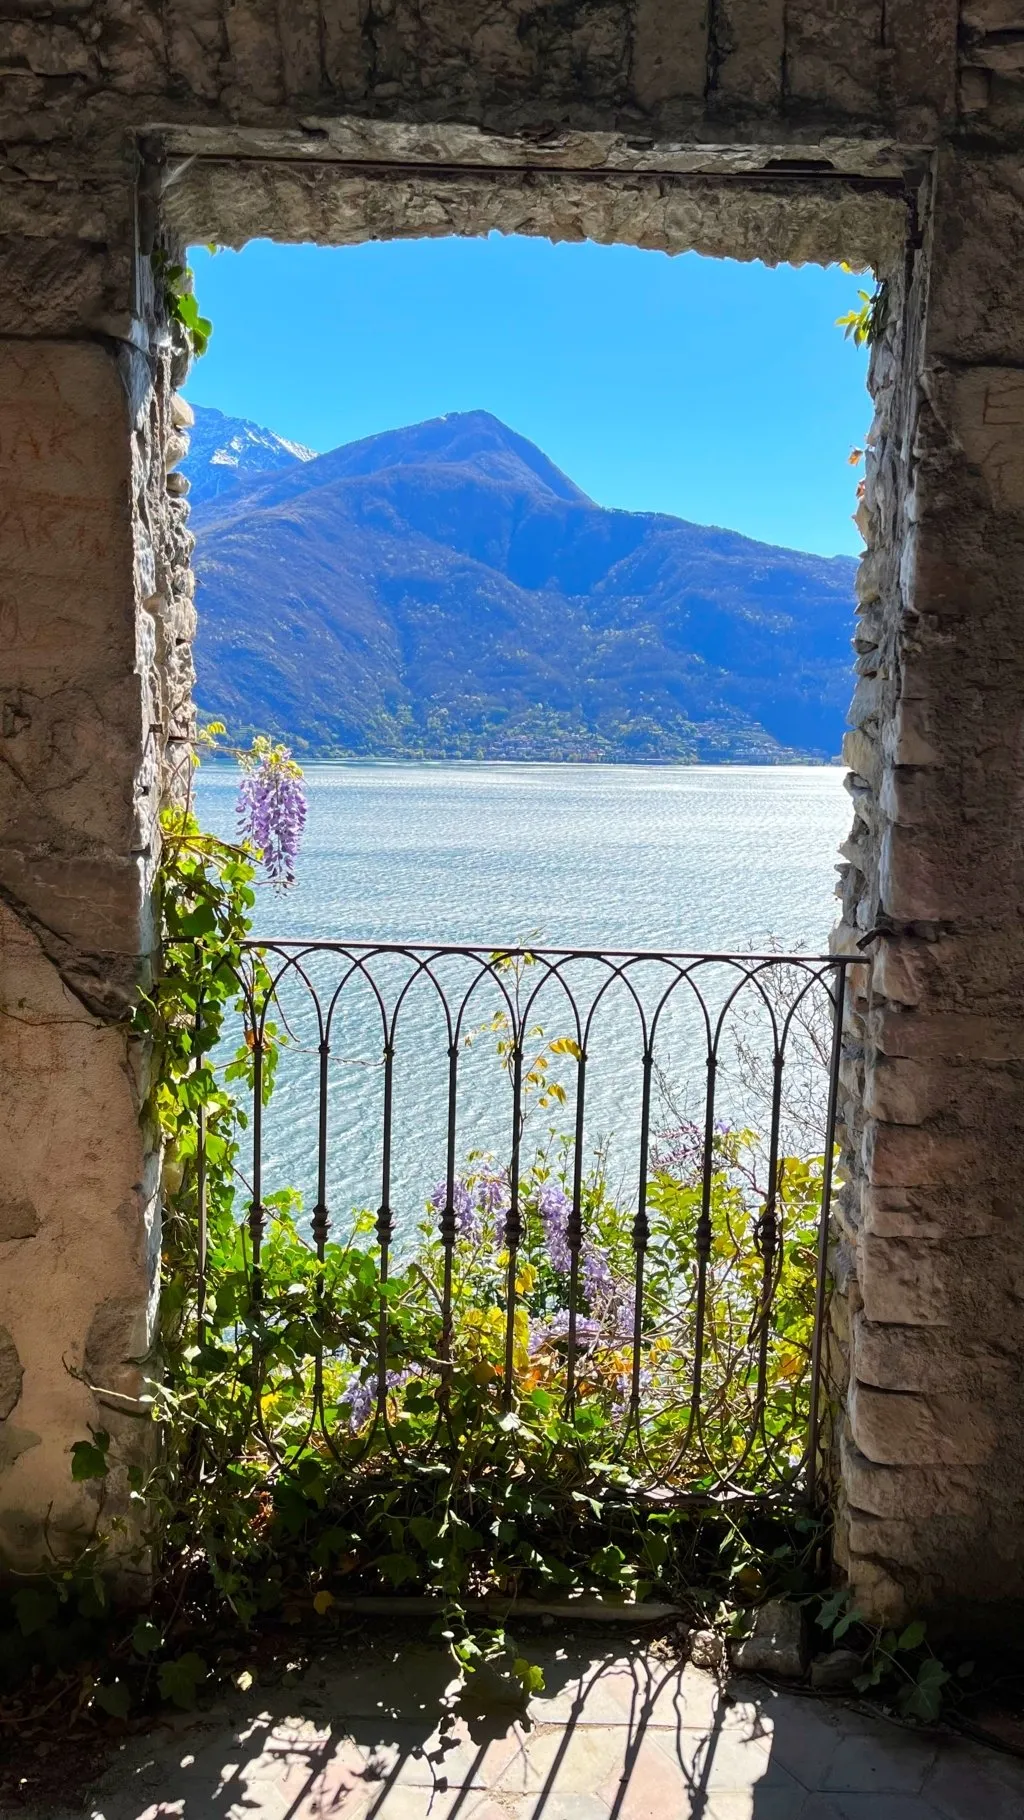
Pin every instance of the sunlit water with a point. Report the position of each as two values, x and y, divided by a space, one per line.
608 857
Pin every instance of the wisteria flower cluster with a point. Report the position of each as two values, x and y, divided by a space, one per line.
271 808
483 1195
361 1395
680 1152
555 1209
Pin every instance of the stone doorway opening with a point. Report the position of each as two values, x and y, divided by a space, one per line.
917 1480
386 1219
383 190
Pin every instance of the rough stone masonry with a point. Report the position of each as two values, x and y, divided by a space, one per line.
888 132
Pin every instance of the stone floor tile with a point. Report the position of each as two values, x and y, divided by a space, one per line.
691 1700
333 1783
599 1688
806 1735
394 1803
967 1783
599 1696
558 1807
408 1683
654 1694
728 1758
762 1803
889 1761
570 1761
382 1750
886 1807
649 1787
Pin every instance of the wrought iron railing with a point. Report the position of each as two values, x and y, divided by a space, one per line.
590 1189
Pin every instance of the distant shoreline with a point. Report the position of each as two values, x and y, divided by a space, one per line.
553 764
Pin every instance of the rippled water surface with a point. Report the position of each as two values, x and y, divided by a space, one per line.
576 856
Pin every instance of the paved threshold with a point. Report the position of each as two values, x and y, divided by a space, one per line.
621 1733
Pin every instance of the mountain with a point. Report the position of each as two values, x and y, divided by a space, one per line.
229 453
444 591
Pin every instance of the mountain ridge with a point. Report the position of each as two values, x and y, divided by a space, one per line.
445 591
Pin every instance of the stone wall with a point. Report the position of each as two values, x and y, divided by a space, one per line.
886 131
95 623
933 1218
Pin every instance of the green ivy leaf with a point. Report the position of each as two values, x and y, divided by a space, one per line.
113 1698
397 1568
35 1607
529 1675
89 1458
179 1680
913 1636
146 1637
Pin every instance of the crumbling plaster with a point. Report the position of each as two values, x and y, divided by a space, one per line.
885 133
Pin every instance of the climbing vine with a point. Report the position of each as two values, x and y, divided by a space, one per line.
177 288
865 323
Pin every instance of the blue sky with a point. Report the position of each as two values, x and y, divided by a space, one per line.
717 391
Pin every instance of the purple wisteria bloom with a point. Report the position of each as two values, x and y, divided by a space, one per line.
271 809
467 1218
595 1271
681 1151
624 1389
493 1200
555 1209
361 1395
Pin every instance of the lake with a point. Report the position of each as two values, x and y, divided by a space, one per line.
609 857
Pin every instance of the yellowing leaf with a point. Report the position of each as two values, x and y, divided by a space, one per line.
322 1603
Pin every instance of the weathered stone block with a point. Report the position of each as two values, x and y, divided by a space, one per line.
863 755
11 1375
962 1036
912 799
904 1280
894 1428
903 1092
911 738
988 422
992 15
748 52
777 1645
920 36
670 51
927 1360
898 970
897 1212
836 1670
974 312
833 56
902 1492
19 1218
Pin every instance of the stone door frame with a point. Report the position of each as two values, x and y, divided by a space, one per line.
927 1333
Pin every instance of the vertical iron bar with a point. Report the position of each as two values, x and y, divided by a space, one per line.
814 1415
256 1205
641 1236
321 1217
513 1225
320 1227
201 1235
448 1228
768 1232
201 1211
575 1238
702 1240
385 1229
